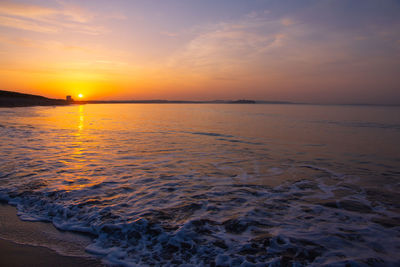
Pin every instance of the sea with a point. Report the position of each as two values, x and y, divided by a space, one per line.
210 184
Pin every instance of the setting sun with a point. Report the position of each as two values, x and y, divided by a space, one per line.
172 132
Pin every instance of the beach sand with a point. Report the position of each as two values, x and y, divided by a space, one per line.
28 243
12 254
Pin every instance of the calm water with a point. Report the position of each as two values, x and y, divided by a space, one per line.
211 184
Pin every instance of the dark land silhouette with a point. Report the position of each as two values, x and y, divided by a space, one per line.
15 99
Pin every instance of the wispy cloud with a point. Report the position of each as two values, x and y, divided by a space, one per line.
24 24
230 47
49 45
290 44
287 21
170 34
25 10
44 19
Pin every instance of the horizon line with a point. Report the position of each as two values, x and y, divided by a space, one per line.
215 101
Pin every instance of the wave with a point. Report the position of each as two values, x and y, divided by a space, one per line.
306 222
358 124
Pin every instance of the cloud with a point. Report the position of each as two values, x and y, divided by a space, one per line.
170 34
231 45
26 25
84 50
261 45
64 17
287 21
26 11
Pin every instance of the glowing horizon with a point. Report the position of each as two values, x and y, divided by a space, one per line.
314 51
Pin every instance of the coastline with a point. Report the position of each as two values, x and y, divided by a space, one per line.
15 99
13 254
39 244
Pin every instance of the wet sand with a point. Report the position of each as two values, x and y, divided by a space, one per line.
12 254
28 243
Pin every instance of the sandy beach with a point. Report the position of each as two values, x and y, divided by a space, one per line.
13 254
33 239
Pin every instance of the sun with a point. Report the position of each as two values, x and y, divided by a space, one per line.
80 95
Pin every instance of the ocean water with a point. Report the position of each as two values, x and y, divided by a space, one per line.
225 185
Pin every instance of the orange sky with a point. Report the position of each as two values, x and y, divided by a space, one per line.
316 51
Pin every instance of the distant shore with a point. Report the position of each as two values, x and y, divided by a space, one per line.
15 99
156 101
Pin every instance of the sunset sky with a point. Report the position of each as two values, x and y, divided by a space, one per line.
310 51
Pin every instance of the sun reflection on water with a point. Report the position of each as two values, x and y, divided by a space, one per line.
77 173
81 118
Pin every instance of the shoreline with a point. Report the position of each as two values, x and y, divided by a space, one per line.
14 254
24 243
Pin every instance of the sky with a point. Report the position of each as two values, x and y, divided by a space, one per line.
317 51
